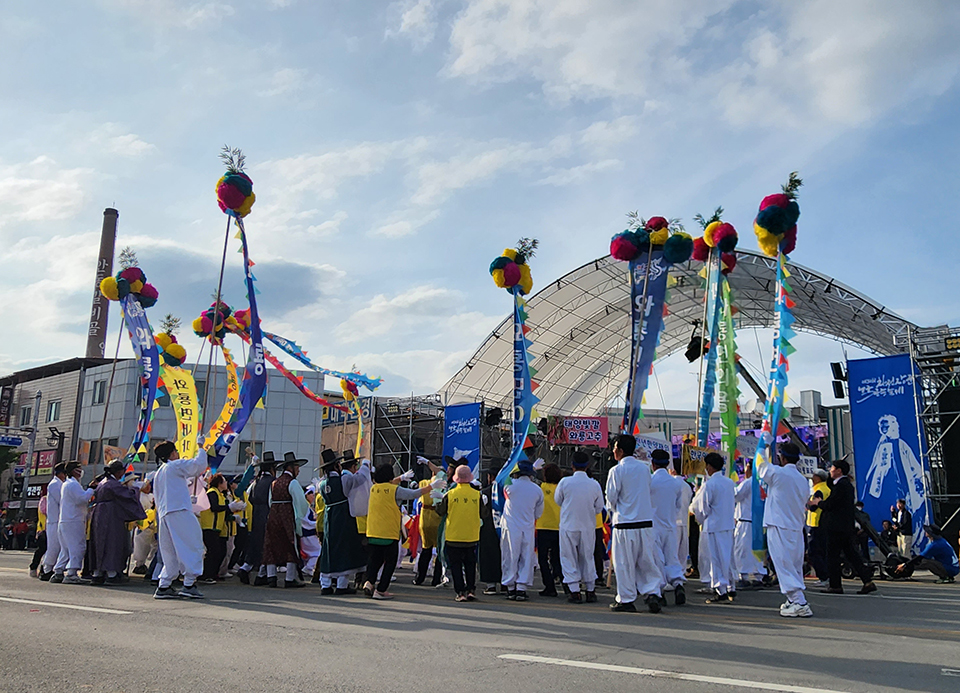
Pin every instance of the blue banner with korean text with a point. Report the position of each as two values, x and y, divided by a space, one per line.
887 440
461 433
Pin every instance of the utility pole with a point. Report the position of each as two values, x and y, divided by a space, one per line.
30 448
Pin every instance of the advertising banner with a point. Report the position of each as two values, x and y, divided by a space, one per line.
584 430
461 433
886 439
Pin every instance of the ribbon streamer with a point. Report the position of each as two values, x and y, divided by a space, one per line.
729 389
293 349
148 362
713 301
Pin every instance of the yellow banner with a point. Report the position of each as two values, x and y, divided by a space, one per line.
229 406
691 460
183 396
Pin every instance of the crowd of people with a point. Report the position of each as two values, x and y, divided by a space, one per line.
351 527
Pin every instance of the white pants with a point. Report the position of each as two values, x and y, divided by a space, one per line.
53 546
746 562
667 557
703 560
683 542
517 557
231 543
342 579
634 564
904 544
181 544
73 544
576 558
311 547
144 546
721 560
786 551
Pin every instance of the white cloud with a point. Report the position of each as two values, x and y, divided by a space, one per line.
40 191
111 138
284 81
404 224
328 228
578 174
188 14
607 134
417 21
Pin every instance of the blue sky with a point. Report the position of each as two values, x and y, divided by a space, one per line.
397 147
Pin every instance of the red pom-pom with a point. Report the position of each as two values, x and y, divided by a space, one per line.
622 249
656 223
780 200
701 251
149 291
789 242
132 274
206 325
229 196
511 275
727 262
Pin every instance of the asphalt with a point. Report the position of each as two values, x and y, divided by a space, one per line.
240 638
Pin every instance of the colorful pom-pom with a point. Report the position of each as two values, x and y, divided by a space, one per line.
708 233
132 274
498 278
727 262
206 324
149 291
789 241
235 194
725 238
136 286
510 253
108 287
511 274
623 247
778 200
198 327
243 317
176 351
163 340
659 237
526 279
701 251
656 224
678 248
123 288
499 263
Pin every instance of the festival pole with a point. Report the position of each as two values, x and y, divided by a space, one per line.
643 319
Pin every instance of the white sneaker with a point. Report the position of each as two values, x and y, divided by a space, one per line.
820 584
796 611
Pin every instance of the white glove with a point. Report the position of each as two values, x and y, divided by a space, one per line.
539 463
438 483
364 461
201 439
407 475
422 460
237 505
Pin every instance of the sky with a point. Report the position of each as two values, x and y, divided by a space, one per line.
397 147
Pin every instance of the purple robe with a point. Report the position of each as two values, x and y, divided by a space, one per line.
114 506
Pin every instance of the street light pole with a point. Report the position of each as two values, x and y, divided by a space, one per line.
30 448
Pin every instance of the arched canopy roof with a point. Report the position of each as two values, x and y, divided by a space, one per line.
581 329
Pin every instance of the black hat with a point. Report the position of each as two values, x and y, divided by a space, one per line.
114 467
348 459
60 468
328 459
267 461
71 467
290 459
660 457
449 462
933 529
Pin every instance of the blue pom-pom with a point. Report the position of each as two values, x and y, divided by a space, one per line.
641 238
241 183
728 244
774 219
677 249
793 213
499 263
123 288
146 301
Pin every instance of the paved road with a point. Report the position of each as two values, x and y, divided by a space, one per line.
240 638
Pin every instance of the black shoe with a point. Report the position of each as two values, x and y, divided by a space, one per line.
833 590
417 581
575 598
315 580
272 581
511 595
45 577
98 580
520 596
627 607
867 588
491 589
346 590
326 591
117 580
288 584
140 570
260 581
591 598
566 589
719 599
653 603
679 595
165 593
244 576
548 592
56 578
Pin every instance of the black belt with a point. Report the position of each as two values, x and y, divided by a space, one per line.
750 521
634 525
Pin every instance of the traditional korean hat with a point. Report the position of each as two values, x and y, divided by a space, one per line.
328 459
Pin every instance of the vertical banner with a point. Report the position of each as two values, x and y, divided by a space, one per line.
183 397
230 404
523 398
148 360
461 433
712 329
648 291
728 391
886 439
6 405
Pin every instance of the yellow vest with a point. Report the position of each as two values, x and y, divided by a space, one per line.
599 520
247 510
463 514
383 516
210 519
319 507
551 511
813 516
41 521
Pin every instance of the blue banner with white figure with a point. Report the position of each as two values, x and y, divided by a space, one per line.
712 330
648 291
148 364
887 440
461 434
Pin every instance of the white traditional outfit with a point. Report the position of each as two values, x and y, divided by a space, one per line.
309 541
666 497
748 567
628 499
72 528
784 516
580 499
179 535
50 558
713 508
523 506
683 523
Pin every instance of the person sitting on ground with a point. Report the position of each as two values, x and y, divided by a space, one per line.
938 557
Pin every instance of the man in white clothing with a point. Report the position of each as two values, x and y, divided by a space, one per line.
179 535
748 567
713 508
683 520
666 496
53 521
522 508
628 499
784 516
72 528
580 499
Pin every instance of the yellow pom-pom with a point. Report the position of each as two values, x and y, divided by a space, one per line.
108 287
510 253
526 286
769 243
217 186
163 340
177 351
498 279
708 233
660 237
244 209
198 325
526 279
136 286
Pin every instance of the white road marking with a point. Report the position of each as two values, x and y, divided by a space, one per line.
887 597
95 609
950 672
718 680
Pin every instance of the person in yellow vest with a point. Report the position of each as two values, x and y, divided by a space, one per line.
548 532
213 521
462 507
816 539
319 508
41 535
384 522
429 526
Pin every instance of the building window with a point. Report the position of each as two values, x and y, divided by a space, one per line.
99 391
53 411
26 416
